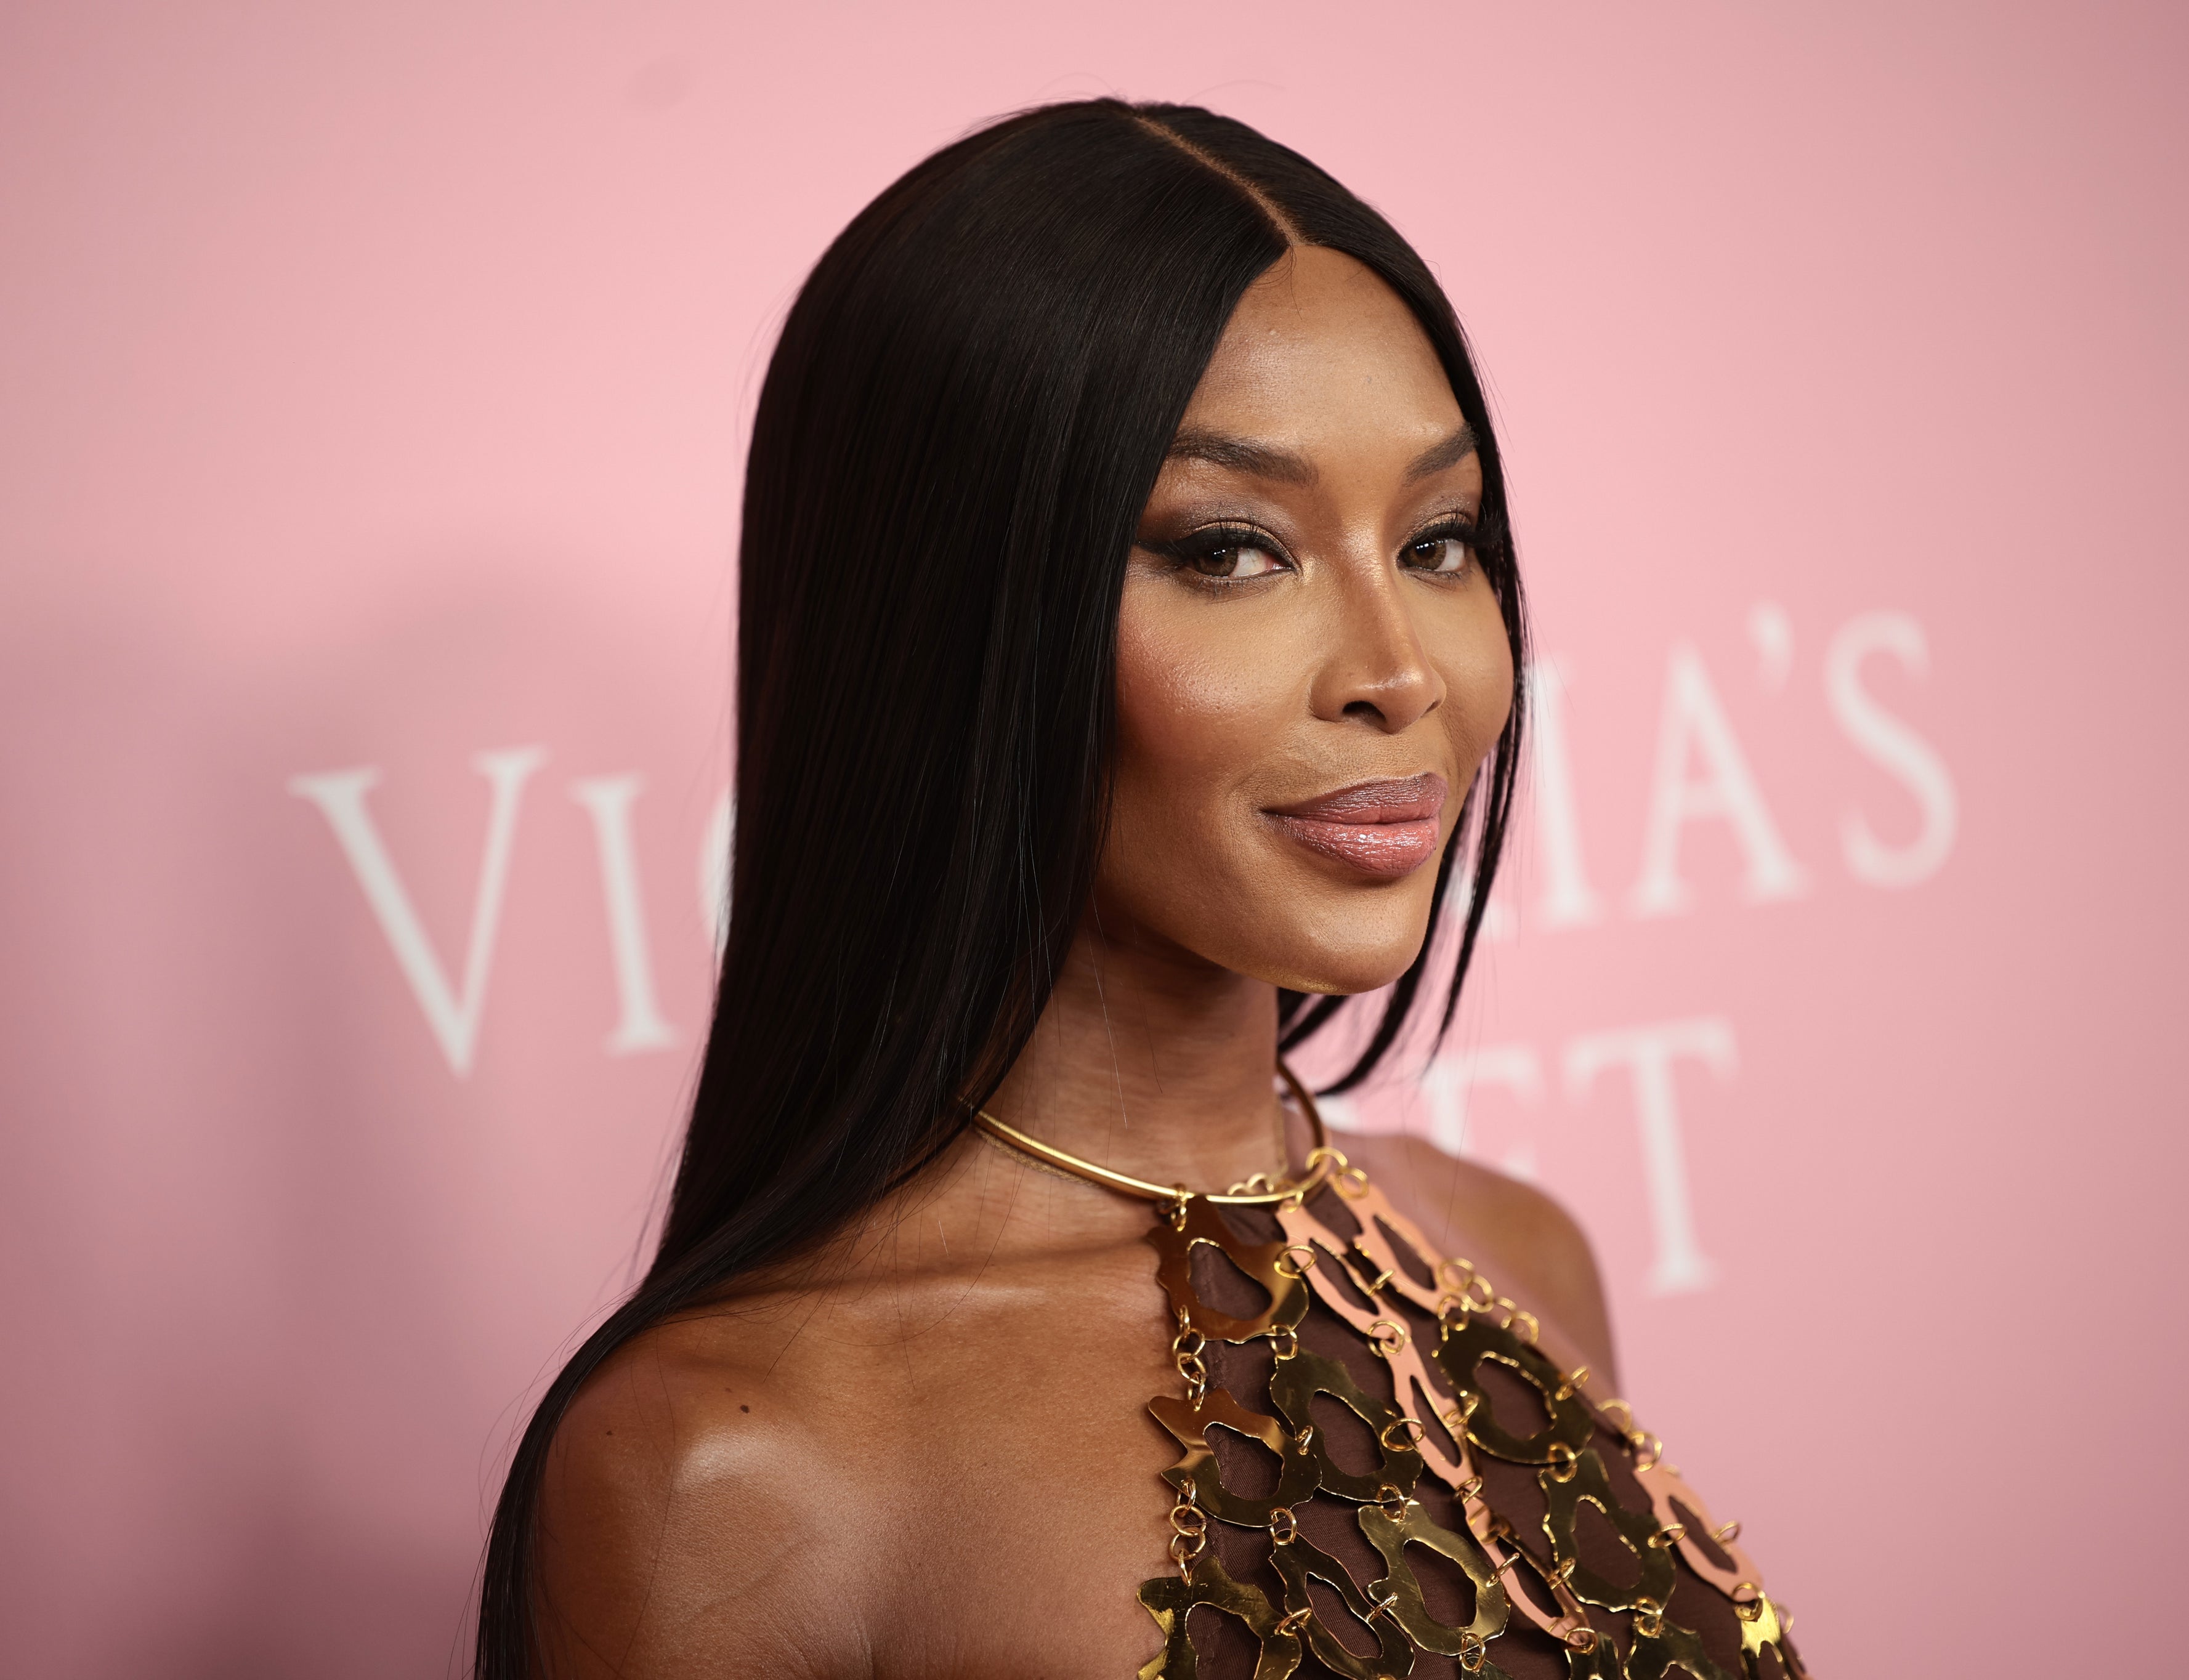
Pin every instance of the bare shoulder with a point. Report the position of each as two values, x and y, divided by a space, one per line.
674 1531
1528 1244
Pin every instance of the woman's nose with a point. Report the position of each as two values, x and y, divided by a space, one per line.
1377 671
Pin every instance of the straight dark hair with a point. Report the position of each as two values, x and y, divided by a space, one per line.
963 421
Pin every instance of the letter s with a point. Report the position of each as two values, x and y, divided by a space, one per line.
1894 748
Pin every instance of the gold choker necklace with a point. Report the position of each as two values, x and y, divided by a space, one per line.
1363 1311
1254 1192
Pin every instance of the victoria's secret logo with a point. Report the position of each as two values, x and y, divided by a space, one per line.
1701 774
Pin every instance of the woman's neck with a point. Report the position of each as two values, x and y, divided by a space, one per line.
1154 1062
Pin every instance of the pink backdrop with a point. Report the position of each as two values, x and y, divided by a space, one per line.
372 388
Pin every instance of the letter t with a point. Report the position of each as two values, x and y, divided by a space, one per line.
1649 1052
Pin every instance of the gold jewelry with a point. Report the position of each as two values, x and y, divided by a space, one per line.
1321 1162
1422 1325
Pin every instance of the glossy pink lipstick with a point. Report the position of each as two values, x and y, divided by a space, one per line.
1387 828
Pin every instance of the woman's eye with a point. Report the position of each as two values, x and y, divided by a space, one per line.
1236 562
1445 554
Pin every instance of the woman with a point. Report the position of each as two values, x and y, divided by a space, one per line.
1127 651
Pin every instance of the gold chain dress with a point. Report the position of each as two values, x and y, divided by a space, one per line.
1353 1405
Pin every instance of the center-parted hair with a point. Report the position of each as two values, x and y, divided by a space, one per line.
961 424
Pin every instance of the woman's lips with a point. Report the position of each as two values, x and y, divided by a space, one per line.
1387 828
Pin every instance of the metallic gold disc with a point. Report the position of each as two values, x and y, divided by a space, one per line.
1292 1389
1296 1561
1170 1599
1474 1337
1664 1485
1300 1474
1177 1234
1763 1626
1665 1649
1581 1480
1391 1537
1598 1660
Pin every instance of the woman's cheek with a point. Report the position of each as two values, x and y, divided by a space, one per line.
1194 710
1478 677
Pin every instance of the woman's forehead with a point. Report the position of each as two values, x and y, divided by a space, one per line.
1319 349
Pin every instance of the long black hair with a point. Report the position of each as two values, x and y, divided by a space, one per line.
963 420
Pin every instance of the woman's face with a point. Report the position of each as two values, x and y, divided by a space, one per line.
1310 664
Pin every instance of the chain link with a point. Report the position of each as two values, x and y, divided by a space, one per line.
1189 1531
1186 1348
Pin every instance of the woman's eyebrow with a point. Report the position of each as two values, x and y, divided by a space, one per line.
1284 467
1262 461
1437 456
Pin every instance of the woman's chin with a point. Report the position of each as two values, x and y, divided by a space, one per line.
1342 973
1351 946
1335 986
